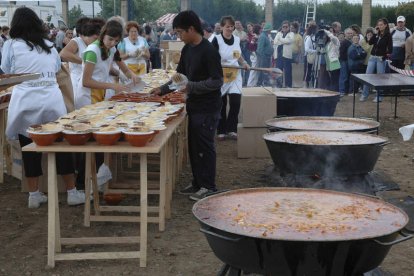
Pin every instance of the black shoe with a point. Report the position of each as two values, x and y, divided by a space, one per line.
202 193
189 190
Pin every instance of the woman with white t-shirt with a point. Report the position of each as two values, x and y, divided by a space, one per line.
97 62
228 46
134 49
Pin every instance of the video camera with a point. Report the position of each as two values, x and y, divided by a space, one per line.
321 38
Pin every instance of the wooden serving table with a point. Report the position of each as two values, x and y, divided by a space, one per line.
3 110
161 144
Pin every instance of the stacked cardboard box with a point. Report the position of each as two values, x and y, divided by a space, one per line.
258 105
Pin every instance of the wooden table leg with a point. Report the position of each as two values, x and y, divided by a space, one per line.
168 181
2 138
144 209
163 190
95 185
87 212
58 246
53 210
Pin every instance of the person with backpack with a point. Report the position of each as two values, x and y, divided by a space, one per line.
399 35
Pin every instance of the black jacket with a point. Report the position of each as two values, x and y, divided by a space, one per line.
382 45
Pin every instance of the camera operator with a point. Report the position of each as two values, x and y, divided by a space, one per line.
319 71
283 53
343 59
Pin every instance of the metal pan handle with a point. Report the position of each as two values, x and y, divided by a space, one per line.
208 232
384 144
406 236
368 195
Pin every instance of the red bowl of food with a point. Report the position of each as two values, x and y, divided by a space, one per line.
113 199
138 138
107 138
76 138
43 138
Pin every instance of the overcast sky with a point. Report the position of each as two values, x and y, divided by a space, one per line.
374 2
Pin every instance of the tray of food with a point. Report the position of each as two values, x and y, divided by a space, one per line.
13 79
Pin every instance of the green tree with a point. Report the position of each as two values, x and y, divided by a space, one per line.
73 15
211 11
288 10
408 11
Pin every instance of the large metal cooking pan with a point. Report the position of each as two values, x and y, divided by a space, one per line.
290 231
306 102
327 153
322 123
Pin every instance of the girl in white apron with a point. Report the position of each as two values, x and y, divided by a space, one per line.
97 60
37 101
134 49
228 46
88 31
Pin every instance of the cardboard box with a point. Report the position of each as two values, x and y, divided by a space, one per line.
17 170
171 45
250 142
258 104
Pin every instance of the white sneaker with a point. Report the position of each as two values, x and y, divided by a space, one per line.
232 135
104 175
221 137
76 198
37 199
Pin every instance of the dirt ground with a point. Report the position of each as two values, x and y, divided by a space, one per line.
182 249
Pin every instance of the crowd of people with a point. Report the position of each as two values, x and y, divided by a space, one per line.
106 56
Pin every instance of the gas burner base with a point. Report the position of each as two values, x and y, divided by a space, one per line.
369 183
227 270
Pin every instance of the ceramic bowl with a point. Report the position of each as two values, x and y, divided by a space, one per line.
138 139
43 138
76 138
113 199
107 138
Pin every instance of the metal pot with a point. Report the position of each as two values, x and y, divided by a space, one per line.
306 102
319 123
287 250
325 153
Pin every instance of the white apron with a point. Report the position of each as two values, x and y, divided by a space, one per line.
229 56
76 69
136 65
36 101
86 96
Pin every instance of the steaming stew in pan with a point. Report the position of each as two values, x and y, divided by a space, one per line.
323 138
299 214
322 123
306 93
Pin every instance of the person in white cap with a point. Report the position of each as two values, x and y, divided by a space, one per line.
399 35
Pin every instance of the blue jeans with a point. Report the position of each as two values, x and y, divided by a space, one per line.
375 65
343 77
285 64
